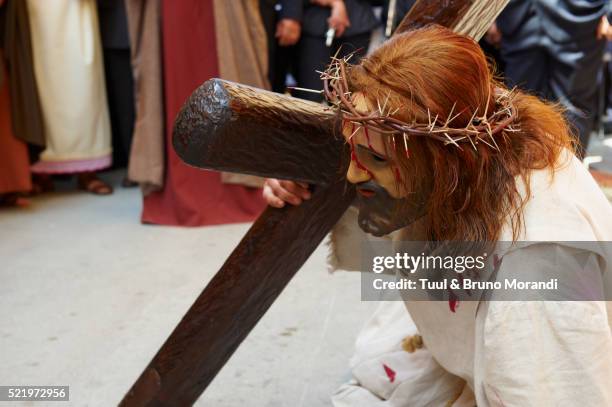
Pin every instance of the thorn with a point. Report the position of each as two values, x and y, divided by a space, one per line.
472 142
385 104
451 140
483 140
450 114
434 122
305 89
358 127
487 103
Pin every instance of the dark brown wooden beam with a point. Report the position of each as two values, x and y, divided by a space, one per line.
237 297
226 126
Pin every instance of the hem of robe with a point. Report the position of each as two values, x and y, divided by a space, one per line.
72 166
14 160
215 204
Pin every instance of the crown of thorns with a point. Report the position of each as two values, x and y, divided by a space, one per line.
482 128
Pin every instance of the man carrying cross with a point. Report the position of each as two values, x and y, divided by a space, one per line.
440 151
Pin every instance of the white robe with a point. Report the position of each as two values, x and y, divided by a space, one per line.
69 72
500 353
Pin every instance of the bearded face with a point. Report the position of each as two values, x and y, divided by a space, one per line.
384 203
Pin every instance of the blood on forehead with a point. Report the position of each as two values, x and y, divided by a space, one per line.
354 156
356 129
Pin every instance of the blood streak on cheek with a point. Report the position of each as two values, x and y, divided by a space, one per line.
356 160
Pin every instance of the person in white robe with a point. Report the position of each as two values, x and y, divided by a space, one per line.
69 75
493 350
485 352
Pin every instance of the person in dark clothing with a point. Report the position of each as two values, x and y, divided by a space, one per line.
282 37
551 48
119 77
353 22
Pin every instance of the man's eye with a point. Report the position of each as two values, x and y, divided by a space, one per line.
378 158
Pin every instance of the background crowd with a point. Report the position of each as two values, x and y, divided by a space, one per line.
89 85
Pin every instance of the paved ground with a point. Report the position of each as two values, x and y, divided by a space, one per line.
88 295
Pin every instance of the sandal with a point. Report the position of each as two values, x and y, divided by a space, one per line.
89 181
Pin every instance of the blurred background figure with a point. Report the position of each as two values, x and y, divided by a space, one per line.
607 96
554 48
14 161
119 81
70 77
281 40
320 29
147 151
202 40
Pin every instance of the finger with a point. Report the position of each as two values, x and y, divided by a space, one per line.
285 195
296 189
271 199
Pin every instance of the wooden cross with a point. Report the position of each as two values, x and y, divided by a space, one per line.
226 126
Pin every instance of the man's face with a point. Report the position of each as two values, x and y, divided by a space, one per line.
384 203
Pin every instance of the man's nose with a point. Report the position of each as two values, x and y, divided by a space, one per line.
356 175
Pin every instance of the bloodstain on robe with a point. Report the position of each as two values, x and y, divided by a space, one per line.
390 373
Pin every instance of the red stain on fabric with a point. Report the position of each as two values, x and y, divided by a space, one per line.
497 262
390 373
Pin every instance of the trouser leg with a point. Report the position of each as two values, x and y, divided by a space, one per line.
574 81
120 94
527 69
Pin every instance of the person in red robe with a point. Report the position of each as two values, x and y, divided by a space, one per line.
15 176
192 197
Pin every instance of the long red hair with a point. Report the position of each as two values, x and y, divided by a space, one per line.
471 192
